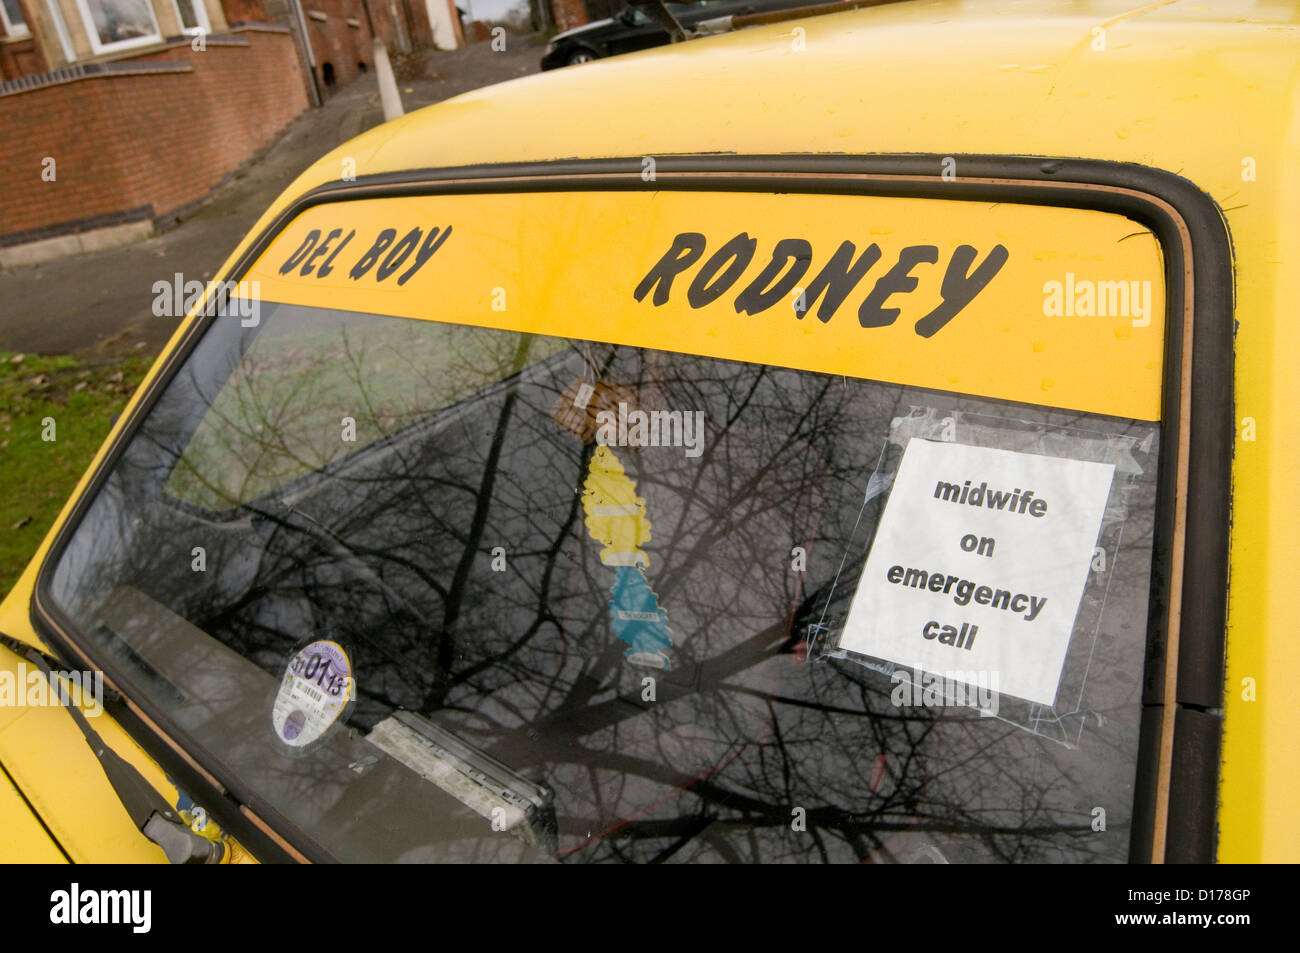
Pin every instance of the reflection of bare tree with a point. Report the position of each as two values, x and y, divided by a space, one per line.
386 544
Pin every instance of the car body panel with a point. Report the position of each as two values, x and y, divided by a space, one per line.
23 838
601 38
1218 106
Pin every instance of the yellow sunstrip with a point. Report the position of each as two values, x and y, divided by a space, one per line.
1062 307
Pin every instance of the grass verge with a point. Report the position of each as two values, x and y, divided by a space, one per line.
55 411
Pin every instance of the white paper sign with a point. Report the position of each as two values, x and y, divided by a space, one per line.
979 564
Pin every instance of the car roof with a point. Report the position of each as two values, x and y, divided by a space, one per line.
938 77
1190 88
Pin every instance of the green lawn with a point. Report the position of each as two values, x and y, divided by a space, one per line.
37 475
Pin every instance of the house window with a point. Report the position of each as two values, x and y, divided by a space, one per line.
119 24
11 13
192 16
61 28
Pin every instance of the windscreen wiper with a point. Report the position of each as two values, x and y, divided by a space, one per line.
148 810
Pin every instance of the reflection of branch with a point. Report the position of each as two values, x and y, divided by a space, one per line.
443 655
834 820
523 661
544 615
583 719
693 827
820 706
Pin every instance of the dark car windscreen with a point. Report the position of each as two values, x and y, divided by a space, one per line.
439 592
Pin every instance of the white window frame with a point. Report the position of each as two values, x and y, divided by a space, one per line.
93 33
13 31
200 10
61 28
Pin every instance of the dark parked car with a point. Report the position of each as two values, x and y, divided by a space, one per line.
632 29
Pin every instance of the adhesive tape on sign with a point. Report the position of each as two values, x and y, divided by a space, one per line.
317 686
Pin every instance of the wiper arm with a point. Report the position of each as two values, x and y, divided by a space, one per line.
148 810
19 647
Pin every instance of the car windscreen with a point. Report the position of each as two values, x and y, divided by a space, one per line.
444 592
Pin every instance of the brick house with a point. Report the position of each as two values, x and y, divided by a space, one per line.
572 13
340 32
568 14
118 116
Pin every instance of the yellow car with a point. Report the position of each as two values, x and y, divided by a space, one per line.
863 437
